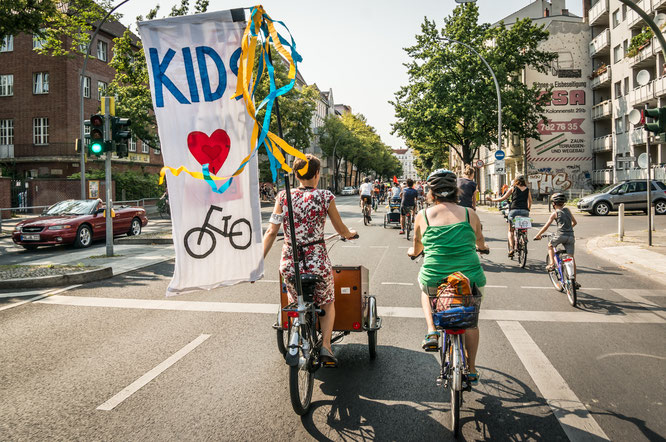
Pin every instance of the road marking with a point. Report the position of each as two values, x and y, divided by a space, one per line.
378 247
37 298
397 283
496 287
397 312
152 374
22 294
633 296
350 247
575 419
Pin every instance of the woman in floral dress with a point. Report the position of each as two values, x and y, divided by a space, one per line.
311 206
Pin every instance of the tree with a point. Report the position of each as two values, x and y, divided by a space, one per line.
64 25
451 100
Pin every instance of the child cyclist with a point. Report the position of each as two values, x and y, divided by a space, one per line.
565 233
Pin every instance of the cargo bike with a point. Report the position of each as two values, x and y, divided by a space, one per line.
392 216
298 333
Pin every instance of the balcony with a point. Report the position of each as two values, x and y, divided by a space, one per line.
599 13
603 144
642 94
637 136
6 151
658 4
600 45
644 58
602 79
602 110
660 86
602 176
634 20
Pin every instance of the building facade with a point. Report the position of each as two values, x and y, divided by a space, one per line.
40 108
406 158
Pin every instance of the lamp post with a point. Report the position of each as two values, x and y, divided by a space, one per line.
497 88
83 73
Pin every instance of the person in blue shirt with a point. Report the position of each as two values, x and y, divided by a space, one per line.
407 203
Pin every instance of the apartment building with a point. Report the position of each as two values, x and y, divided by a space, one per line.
406 158
40 108
621 47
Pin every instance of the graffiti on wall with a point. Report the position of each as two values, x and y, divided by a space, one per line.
548 180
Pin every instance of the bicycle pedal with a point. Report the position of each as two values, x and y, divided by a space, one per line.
329 364
431 348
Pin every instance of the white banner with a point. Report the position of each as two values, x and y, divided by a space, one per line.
192 65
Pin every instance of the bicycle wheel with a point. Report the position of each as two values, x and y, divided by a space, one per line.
408 226
301 382
554 277
366 216
456 403
200 251
240 228
570 288
522 254
282 337
372 343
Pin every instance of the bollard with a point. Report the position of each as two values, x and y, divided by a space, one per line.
620 222
654 229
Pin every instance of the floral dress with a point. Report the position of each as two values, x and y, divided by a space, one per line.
310 211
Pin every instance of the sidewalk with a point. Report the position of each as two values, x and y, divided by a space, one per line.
633 253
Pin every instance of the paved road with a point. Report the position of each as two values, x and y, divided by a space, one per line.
548 371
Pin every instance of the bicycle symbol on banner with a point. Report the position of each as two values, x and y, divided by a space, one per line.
239 234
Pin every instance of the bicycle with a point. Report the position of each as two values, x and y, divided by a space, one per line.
452 324
408 223
562 276
239 234
366 213
375 202
164 208
521 225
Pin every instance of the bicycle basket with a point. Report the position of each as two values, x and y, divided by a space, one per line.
456 305
522 223
457 318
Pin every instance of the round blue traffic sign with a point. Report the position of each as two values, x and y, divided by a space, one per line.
499 155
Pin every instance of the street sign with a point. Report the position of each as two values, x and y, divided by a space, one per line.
625 159
642 161
479 164
499 155
500 167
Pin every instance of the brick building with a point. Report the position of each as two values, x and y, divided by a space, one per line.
40 106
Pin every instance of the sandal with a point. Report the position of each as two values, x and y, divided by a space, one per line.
511 254
327 358
550 268
473 378
431 341
577 285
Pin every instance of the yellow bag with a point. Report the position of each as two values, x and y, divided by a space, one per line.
455 291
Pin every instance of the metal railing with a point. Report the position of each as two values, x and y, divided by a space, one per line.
600 42
598 10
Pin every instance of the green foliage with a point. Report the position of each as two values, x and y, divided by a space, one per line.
65 25
639 40
451 99
137 185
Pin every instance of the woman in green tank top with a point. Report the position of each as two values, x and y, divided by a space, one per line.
448 235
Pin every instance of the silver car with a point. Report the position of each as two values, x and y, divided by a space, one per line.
348 191
633 193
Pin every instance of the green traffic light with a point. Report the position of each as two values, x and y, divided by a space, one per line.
96 148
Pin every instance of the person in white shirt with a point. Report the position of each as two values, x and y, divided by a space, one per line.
395 191
366 193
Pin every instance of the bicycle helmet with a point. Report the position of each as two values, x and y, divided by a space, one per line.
559 198
443 183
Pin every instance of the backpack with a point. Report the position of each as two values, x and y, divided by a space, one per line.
455 291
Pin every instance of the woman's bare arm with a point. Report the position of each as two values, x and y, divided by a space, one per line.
529 199
505 196
273 229
476 225
417 245
338 225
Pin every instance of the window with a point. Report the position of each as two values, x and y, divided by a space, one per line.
6 85
86 135
626 122
7 43
37 41
86 87
102 50
624 12
101 89
131 146
617 55
145 148
626 85
40 131
616 18
619 125
618 89
6 132
40 83
625 45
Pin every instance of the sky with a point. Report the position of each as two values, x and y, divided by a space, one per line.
356 47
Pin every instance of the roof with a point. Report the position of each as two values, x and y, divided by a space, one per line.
400 151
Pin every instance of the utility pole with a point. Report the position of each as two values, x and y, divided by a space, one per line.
107 103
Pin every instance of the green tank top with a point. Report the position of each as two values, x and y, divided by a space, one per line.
449 249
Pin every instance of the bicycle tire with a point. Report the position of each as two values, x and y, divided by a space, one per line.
408 226
187 246
301 380
456 403
232 235
522 244
282 337
570 288
554 277
372 343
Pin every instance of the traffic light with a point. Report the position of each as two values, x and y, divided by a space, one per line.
97 146
121 134
659 114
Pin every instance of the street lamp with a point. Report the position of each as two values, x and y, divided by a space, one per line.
497 88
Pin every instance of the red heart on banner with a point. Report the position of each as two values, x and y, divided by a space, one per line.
212 150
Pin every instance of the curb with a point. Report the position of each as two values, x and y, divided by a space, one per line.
606 254
58 280
144 241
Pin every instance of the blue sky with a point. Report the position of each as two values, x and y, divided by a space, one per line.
355 47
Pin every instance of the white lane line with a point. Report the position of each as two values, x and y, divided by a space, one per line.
350 247
379 247
22 294
152 374
398 312
397 283
497 286
37 298
550 287
575 419
633 296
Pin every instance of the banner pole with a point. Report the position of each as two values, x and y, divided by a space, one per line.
290 208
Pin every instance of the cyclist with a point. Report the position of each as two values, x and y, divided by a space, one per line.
468 189
382 192
375 190
366 195
395 191
449 235
311 205
565 233
521 204
407 203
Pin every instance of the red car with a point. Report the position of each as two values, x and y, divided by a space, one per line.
77 222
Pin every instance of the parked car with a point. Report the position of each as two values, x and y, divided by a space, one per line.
633 193
77 222
348 191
